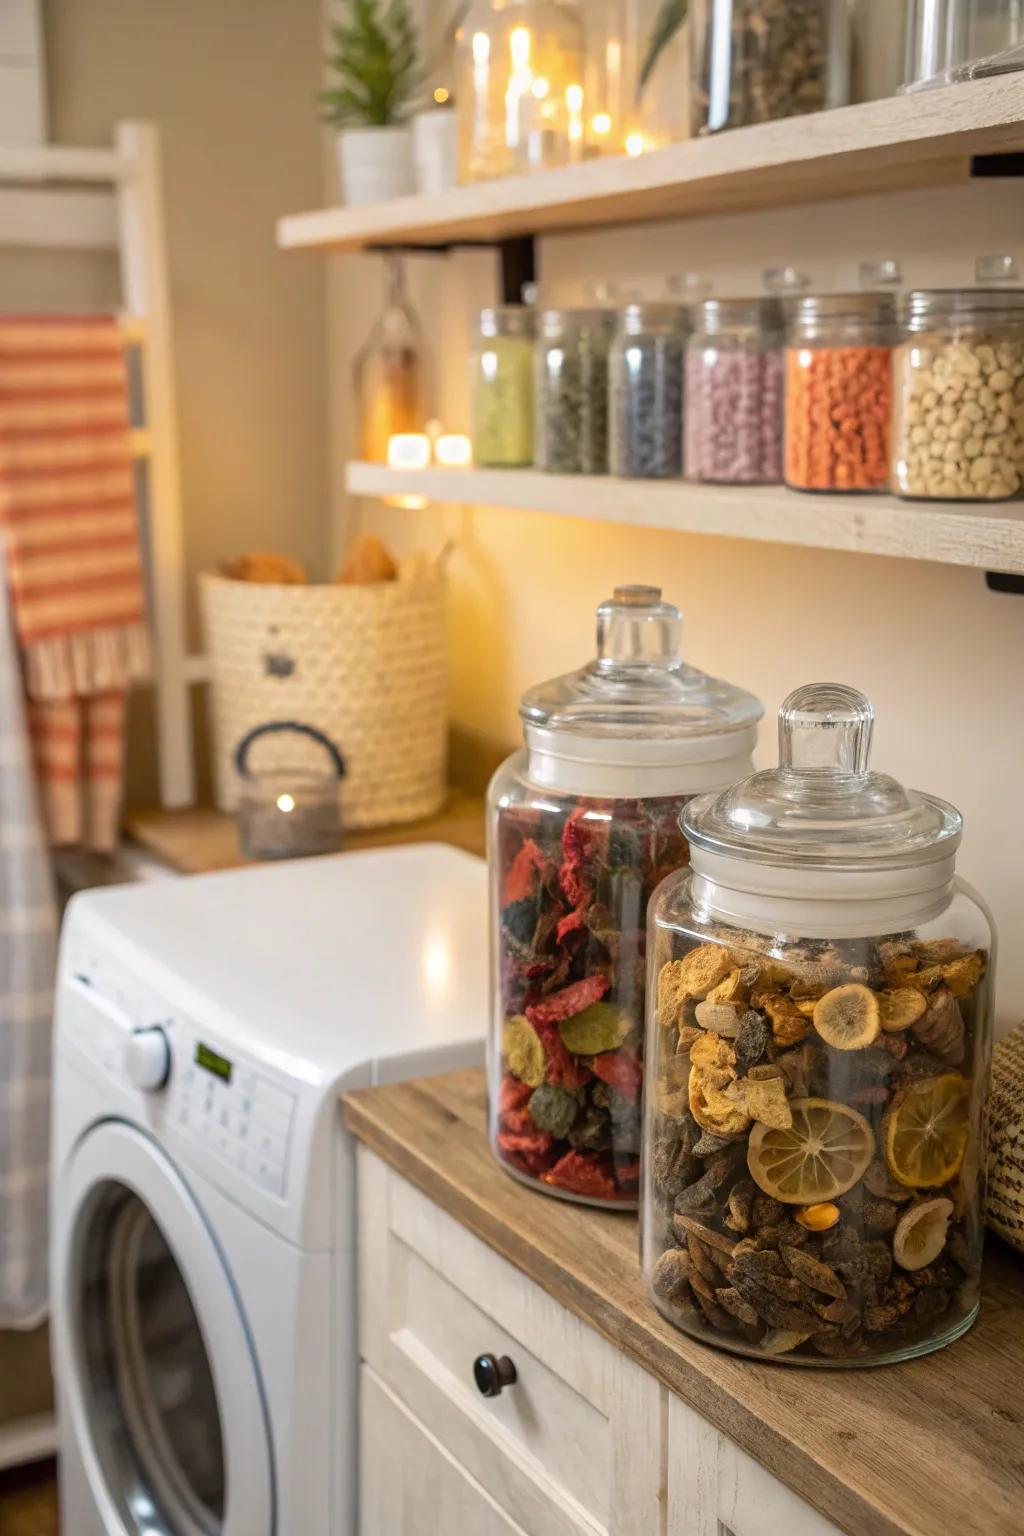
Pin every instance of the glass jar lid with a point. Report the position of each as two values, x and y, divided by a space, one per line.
824 807
507 320
927 305
638 688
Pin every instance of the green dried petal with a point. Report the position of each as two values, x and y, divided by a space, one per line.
524 1054
601 1027
553 1109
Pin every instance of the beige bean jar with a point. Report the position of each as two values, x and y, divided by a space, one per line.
958 422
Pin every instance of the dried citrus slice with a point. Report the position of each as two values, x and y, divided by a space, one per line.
819 1157
847 1018
921 1233
901 1008
926 1131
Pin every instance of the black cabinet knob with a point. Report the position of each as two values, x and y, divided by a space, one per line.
492 1374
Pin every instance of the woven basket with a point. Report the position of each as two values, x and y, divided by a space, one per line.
1006 1140
366 665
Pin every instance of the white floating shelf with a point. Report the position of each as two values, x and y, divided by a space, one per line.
989 537
926 139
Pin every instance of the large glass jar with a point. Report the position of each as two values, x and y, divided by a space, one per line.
958 383
501 388
582 825
389 371
733 415
571 416
819 1021
944 35
839 392
756 60
645 392
519 87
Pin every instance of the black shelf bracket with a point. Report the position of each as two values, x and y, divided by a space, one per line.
1002 581
517 255
1009 164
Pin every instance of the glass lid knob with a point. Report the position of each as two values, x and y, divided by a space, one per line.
636 628
825 728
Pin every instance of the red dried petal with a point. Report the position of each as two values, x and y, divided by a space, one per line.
570 924
569 1001
575 888
517 1122
530 1154
512 1094
621 1070
627 1175
520 878
563 1070
581 1174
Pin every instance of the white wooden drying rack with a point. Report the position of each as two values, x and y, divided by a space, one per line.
111 199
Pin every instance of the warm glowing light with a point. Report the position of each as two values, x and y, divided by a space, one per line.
437 966
520 43
574 98
409 450
636 144
406 503
601 123
453 451
441 95
540 87
481 48
285 803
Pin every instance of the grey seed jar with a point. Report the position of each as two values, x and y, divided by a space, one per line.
571 391
645 392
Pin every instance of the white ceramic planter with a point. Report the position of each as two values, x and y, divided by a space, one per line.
435 146
375 164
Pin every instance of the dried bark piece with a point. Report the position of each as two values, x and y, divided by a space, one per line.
778 1232
700 1196
941 1029
671 1276
752 1040
837 1312
706 1235
766 1210
782 1341
673 1167
813 1272
729 1298
705 1295
879 1319
721 1018
798 1067
774 1311
709 1144
880 1217
700 1258
739 1206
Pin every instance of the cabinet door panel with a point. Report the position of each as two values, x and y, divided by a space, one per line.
408 1482
715 1489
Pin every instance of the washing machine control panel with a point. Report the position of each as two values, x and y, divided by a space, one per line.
206 1095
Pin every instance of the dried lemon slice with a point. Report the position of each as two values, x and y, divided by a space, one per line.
821 1155
921 1233
901 1008
926 1131
847 1018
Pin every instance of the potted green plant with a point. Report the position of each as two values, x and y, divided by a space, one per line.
374 59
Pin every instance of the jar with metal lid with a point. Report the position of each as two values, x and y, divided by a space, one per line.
501 388
757 60
818 1042
571 391
958 382
839 392
733 413
645 392
945 36
582 825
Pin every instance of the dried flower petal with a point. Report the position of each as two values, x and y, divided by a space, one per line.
523 1051
553 1109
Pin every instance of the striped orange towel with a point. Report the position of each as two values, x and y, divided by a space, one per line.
69 522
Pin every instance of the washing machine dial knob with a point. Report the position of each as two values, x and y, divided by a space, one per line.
147 1058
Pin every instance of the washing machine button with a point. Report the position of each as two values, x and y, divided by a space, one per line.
147 1058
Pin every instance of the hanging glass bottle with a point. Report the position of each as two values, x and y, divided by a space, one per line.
389 372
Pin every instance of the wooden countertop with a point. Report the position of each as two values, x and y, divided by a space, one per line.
195 841
933 1447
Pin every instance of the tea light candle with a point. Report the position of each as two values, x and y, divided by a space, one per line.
454 451
409 450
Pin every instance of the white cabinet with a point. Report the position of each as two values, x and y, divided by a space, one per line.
584 1443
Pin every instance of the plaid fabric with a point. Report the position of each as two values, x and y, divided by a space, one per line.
67 507
28 958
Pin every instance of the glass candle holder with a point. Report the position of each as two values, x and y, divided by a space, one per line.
288 812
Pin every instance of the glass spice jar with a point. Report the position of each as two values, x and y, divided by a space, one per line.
819 1023
571 417
582 826
389 371
839 392
958 383
519 87
758 60
733 411
501 388
645 392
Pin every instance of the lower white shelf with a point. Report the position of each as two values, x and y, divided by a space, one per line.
988 537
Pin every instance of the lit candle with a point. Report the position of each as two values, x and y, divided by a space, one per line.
454 451
574 103
409 450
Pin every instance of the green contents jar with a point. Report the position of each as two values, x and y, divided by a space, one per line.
501 388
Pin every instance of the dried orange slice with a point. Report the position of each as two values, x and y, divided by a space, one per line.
921 1233
847 1018
819 1157
926 1131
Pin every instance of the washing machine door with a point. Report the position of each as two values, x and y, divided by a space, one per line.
159 1376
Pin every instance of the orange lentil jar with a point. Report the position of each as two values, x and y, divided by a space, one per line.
839 392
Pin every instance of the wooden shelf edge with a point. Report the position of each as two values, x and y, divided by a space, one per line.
903 141
984 537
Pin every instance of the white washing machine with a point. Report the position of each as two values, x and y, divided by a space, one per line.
203 1220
